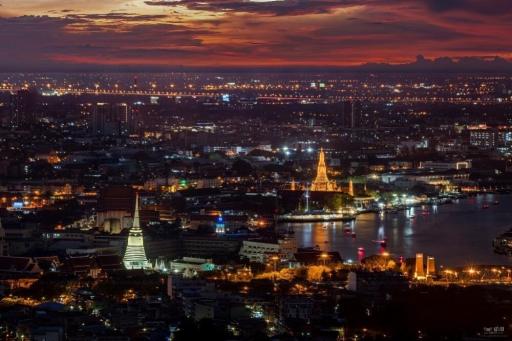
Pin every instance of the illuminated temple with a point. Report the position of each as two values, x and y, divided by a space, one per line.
322 182
135 255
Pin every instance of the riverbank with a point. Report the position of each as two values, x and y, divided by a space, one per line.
457 234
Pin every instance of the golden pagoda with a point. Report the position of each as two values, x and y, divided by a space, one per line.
351 188
322 182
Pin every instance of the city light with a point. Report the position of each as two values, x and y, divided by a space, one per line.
255 169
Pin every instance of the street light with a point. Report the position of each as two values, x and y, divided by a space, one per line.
472 272
324 257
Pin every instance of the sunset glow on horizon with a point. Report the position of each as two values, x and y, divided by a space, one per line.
248 33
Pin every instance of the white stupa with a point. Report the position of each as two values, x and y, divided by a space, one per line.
135 255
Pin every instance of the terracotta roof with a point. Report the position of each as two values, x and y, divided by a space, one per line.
109 262
77 264
18 265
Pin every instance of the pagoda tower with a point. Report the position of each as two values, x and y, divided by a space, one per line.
135 255
351 188
322 182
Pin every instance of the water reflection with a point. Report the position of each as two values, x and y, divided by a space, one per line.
456 234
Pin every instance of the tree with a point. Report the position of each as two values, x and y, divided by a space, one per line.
242 167
317 272
379 262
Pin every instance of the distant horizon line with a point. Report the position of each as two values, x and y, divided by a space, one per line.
465 64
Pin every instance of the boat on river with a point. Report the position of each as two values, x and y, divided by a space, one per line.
314 216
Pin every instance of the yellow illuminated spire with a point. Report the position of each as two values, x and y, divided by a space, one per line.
351 188
322 182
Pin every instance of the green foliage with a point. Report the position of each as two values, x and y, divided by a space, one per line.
242 168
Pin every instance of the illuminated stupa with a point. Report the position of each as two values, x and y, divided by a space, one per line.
322 182
135 255
351 188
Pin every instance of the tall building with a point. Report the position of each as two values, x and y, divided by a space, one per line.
322 182
350 114
354 114
483 138
431 266
419 268
110 119
23 107
135 255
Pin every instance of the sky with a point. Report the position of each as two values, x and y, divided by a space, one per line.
67 34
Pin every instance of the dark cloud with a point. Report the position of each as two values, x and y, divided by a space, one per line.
278 8
414 30
41 41
302 7
487 7
118 16
257 33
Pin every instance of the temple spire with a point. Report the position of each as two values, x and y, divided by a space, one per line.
135 255
322 182
136 214
351 188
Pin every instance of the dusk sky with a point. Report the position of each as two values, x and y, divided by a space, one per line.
215 33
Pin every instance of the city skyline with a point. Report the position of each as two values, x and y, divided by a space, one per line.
71 35
218 170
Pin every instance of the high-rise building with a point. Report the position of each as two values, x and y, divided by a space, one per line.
354 115
419 268
110 119
23 107
350 114
483 138
431 266
135 255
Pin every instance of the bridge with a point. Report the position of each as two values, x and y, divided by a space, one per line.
160 93
119 92
275 98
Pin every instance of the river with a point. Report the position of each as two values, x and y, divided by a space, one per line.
457 234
